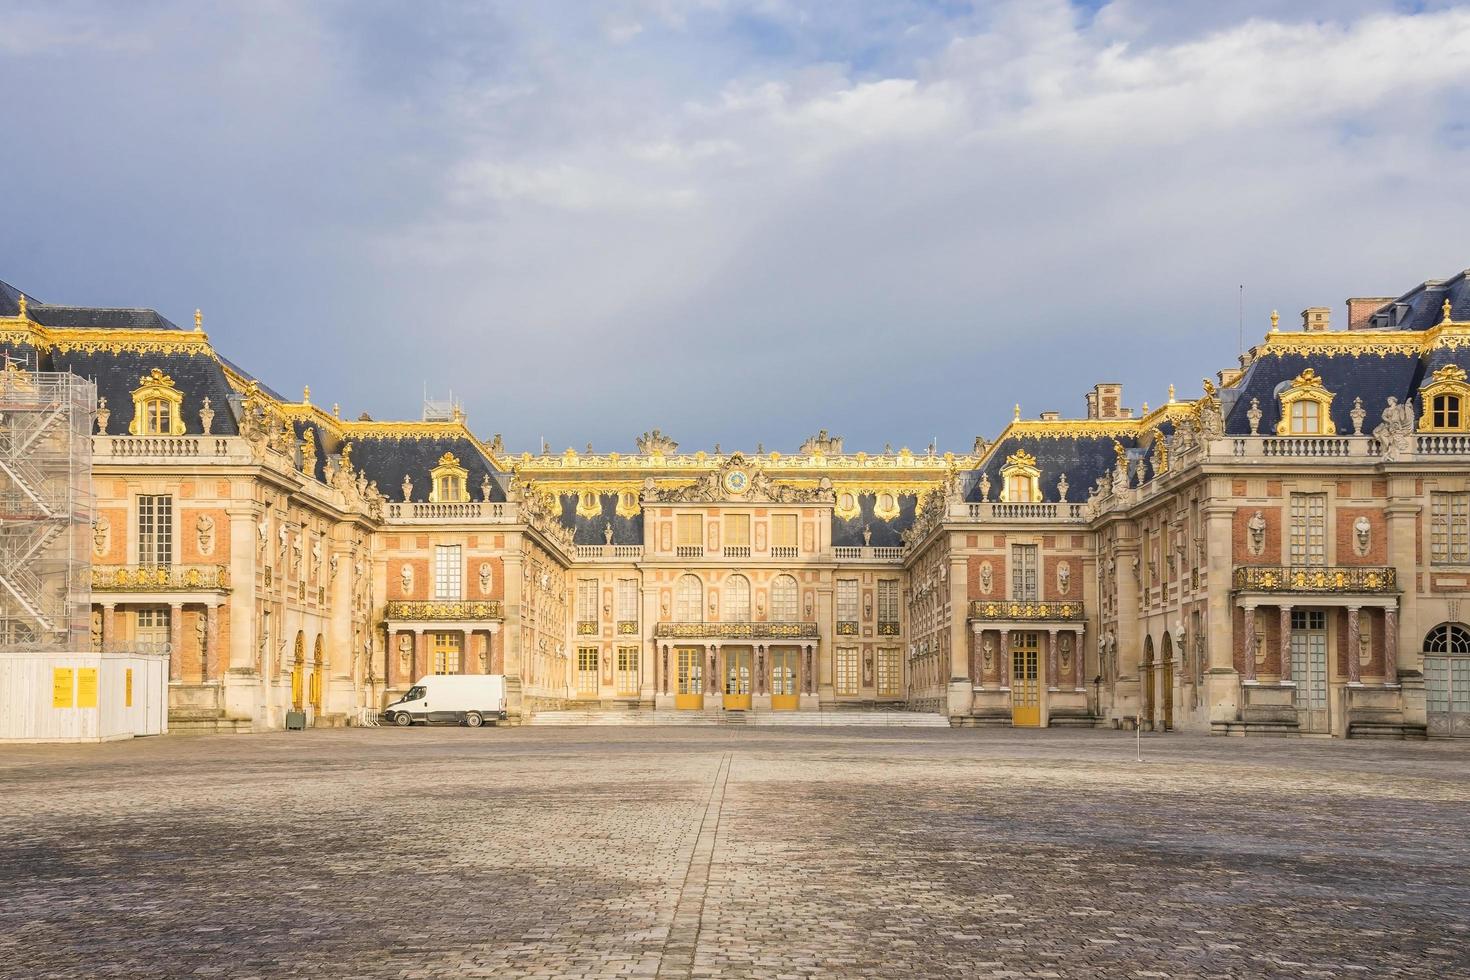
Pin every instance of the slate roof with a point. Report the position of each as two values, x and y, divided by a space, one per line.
1371 376
1423 306
388 460
1082 459
588 530
197 375
886 534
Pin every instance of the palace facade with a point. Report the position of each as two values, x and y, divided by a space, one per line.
1284 552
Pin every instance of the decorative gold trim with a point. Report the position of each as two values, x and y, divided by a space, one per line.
458 488
1307 387
1023 464
1276 578
589 504
155 386
160 578
1448 380
985 610
414 611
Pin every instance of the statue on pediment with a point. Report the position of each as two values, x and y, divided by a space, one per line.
655 443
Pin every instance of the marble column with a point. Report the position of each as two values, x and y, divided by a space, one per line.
1390 645
1353 644
211 642
109 625
420 655
1249 674
1285 644
175 641
1079 661
1051 660
1005 661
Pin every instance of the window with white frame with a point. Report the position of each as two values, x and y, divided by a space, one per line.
888 605
586 600
737 599
1308 545
887 672
1023 572
784 599
1449 528
847 670
689 600
448 572
627 592
156 530
847 600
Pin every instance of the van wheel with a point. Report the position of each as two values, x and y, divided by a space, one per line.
474 719
402 719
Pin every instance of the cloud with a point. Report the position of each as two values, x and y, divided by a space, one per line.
737 220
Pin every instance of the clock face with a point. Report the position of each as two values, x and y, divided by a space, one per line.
736 481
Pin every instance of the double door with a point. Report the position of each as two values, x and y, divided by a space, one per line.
738 676
1309 670
784 695
1025 680
689 664
1447 692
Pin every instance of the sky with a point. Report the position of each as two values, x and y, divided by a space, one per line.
739 221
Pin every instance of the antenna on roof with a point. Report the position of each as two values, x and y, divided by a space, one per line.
1240 321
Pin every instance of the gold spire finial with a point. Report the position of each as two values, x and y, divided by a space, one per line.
1275 321
1171 394
1446 310
1145 408
336 410
198 321
306 394
1018 412
22 304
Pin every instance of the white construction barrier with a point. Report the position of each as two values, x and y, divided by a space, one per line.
82 697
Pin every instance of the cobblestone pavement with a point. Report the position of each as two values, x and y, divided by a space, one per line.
712 852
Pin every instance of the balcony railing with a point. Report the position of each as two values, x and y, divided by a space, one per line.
1442 445
737 631
162 447
737 551
991 511
783 551
866 553
418 611
587 627
475 511
689 551
160 578
634 551
1015 610
1321 579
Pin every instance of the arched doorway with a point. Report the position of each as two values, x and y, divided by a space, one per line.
1447 679
1166 683
1146 677
298 672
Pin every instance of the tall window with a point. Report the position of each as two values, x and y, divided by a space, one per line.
587 600
887 672
157 417
888 607
1308 529
847 670
586 670
1306 418
737 534
847 602
627 600
783 535
156 530
784 600
627 670
1445 411
689 600
690 535
737 599
446 653
1449 528
1023 572
448 572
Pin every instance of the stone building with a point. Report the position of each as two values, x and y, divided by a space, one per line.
1284 552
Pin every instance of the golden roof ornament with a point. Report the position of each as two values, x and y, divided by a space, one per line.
1171 394
306 395
198 321
1017 416
21 302
1275 321
1446 310
336 410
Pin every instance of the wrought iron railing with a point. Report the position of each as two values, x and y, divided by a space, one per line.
411 610
1278 578
160 578
1015 610
737 631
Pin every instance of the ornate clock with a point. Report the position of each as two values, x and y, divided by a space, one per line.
737 481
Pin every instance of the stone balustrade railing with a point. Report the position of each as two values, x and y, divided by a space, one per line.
995 511
470 511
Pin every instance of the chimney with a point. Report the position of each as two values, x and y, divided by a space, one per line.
1051 416
1316 319
1109 398
1361 308
1092 404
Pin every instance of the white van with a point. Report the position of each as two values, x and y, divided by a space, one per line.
460 699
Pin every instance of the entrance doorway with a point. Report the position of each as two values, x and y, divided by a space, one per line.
783 680
1147 676
737 679
1309 668
1447 679
690 694
1166 683
1025 681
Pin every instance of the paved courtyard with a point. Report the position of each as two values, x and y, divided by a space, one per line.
717 852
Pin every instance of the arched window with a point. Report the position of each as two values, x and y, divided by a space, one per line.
784 600
1444 401
157 404
447 481
1021 479
1448 639
737 599
1306 407
689 599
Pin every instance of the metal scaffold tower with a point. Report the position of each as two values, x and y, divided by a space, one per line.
46 509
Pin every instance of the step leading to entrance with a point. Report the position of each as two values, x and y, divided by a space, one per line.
793 719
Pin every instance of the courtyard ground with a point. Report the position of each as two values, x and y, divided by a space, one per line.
720 852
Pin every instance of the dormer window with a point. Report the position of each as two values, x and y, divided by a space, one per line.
447 481
1020 479
1445 401
1306 407
157 407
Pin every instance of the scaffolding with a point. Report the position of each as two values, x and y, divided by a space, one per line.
46 509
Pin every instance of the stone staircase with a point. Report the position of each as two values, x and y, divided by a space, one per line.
785 719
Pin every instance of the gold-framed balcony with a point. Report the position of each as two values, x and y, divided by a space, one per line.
443 611
736 631
1317 580
160 578
1026 611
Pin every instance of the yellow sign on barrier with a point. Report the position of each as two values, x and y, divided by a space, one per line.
128 688
61 687
87 687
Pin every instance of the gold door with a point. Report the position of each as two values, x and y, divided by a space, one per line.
784 696
1148 695
1025 682
691 678
1167 694
737 680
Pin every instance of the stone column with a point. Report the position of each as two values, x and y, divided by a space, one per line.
1285 643
175 640
1390 645
1353 642
808 683
1005 660
1051 659
420 654
664 667
713 679
760 686
1079 660
109 625
1249 643
211 641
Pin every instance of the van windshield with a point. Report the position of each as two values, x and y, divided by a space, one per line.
414 693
